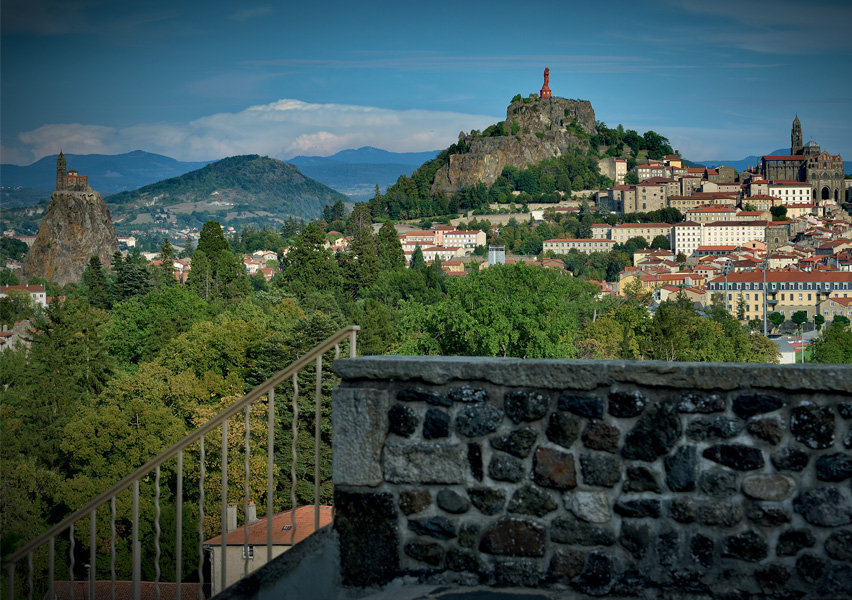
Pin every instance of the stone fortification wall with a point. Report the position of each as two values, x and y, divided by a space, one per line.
609 479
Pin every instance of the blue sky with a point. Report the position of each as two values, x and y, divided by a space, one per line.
204 80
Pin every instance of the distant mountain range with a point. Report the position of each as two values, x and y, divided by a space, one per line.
743 163
357 172
352 172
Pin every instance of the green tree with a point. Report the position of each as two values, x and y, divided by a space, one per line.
8 278
390 251
819 320
417 260
834 345
776 319
95 280
660 242
212 239
779 213
741 307
361 263
308 265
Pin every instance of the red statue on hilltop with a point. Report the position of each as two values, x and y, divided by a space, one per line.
545 91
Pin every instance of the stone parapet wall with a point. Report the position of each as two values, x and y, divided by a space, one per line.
618 479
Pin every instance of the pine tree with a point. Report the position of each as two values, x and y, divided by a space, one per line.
94 277
390 251
362 263
309 266
417 260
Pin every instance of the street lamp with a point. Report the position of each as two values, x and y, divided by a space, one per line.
725 270
764 265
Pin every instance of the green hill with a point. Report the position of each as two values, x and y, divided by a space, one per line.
241 187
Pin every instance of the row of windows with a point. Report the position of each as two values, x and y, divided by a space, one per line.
839 285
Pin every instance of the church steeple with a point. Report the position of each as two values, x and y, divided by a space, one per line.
61 172
796 137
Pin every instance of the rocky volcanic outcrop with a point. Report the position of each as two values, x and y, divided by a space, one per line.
75 227
545 128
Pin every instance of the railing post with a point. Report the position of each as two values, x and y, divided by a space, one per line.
179 526
270 466
137 546
92 555
317 433
223 545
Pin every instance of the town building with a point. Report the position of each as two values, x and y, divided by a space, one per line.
586 246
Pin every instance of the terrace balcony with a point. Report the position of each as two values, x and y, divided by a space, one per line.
460 475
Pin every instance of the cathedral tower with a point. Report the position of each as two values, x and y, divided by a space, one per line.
61 171
796 137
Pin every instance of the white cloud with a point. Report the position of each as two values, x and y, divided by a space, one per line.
281 129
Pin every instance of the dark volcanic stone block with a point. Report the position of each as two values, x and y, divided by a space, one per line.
839 545
467 394
436 424
413 501
768 516
596 577
585 406
526 406
790 459
682 469
436 527
554 469
735 456
683 510
720 514
668 543
654 435
562 429
431 554
813 425
713 428
518 443
772 577
811 568
748 405
402 420
468 535
792 541
452 502
603 471
517 573
718 483
749 546
844 409
635 538
512 536
770 430
834 467
626 404
570 530
367 521
463 561
487 501
640 479
475 420
474 458
566 564
638 509
601 436
506 468
702 549
825 507
532 500
421 395
697 403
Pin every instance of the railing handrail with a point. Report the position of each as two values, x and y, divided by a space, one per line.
189 439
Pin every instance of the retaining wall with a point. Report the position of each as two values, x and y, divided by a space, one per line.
617 479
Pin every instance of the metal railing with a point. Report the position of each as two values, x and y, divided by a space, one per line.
176 451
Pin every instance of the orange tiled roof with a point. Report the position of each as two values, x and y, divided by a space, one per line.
282 530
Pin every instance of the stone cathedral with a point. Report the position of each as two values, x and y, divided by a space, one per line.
808 163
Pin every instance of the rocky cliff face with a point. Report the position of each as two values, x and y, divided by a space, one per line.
76 226
545 128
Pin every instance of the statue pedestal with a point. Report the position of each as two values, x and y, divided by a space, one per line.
545 92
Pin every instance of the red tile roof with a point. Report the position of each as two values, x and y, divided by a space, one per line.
62 590
282 528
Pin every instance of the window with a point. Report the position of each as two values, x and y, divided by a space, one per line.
248 552
800 297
